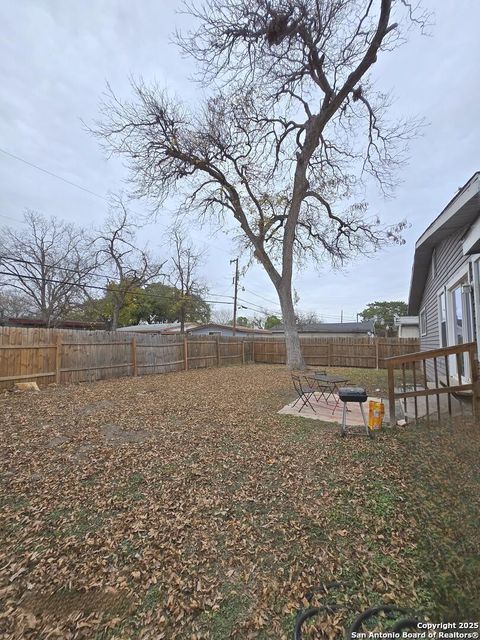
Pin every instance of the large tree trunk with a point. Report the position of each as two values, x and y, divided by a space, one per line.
292 339
115 315
182 318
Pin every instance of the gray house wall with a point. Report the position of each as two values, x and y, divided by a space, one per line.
448 258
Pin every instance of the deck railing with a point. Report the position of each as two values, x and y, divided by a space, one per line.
431 374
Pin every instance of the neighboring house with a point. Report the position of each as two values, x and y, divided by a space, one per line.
445 284
215 329
159 327
332 329
407 326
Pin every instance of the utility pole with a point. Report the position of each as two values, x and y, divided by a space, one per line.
235 282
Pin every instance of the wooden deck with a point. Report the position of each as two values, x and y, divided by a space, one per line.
439 396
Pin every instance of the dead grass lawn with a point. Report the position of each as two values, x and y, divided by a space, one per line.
183 506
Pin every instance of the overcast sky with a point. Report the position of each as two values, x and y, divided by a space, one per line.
55 58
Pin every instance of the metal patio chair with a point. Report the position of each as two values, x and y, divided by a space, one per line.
322 388
304 393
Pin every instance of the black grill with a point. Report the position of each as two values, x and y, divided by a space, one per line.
352 394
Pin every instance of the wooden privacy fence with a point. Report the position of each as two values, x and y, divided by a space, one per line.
369 353
427 376
63 356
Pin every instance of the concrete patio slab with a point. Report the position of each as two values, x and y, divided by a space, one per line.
326 412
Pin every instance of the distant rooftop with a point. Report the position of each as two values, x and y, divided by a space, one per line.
332 327
238 328
158 327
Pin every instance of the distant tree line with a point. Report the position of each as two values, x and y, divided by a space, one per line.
54 271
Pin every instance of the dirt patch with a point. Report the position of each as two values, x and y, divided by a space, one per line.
64 603
57 441
83 452
115 434
95 407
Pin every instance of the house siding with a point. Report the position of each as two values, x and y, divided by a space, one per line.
449 258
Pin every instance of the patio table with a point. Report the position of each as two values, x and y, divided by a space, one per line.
331 383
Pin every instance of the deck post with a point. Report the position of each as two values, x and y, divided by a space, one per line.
391 394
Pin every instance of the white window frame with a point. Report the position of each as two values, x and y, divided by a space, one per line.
475 262
423 330
460 275
434 262
442 292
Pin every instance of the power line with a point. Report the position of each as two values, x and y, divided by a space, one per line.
101 288
65 180
54 175
257 295
108 277
253 306
258 308
2 215
105 199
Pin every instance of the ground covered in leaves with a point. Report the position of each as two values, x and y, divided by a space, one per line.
184 506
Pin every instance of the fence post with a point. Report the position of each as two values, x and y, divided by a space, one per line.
134 356
391 394
185 352
253 350
243 351
328 353
376 350
217 342
58 358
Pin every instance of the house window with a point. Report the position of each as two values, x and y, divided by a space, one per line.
423 322
442 316
214 333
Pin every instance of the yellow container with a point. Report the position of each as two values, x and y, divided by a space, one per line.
376 411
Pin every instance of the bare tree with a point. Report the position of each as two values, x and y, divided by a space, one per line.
184 275
222 316
307 317
131 267
49 262
14 304
285 144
